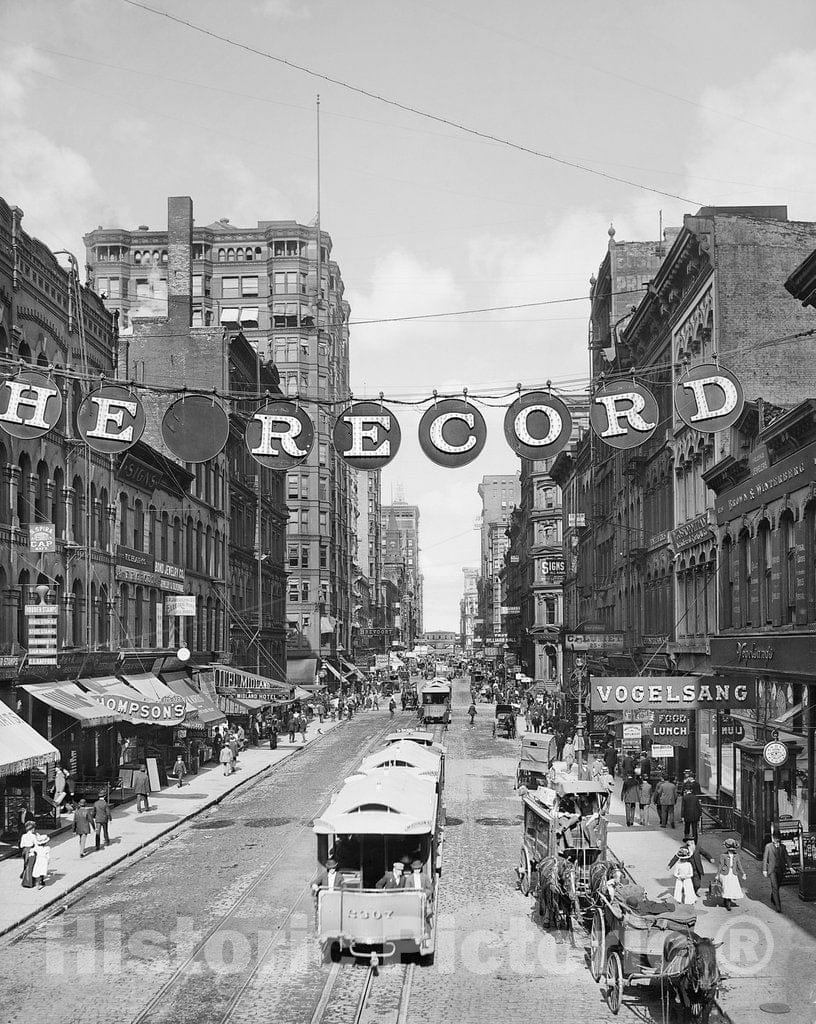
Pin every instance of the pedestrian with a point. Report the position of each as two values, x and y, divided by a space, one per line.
234 746
536 718
627 765
392 707
141 787
321 711
644 798
59 790
666 798
730 866
83 820
568 752
683 872
472 713
775 863
24 816
216 746
630 796
273 734
691 811
36 855
69 791
645 766
102 816
179 770
690 784
611 759
225 758
291 725
240 735
256 734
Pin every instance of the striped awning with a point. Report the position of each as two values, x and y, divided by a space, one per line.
70 700
22 747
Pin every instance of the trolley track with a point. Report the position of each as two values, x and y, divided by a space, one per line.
190 973
356 994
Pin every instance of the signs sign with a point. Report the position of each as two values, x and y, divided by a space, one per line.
781 478
41 537
594 641
367 435
30 405
708 397
632 732
195 428
671 727
452 433
280 435
614 693
537 425
110 419
180 605
624 414
662 750
688 534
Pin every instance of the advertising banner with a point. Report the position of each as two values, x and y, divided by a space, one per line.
690 693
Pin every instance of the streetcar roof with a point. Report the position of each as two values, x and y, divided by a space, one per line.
419 736
406 753
388 801
437 686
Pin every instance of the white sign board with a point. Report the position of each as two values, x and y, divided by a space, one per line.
632 732
662 750
180 605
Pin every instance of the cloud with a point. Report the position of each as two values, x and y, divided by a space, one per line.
779 165
18 63
283 10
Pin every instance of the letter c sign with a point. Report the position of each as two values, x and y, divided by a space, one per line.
452 433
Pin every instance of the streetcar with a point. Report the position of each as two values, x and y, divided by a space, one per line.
435 702
387 816
421 736
406 753
565 817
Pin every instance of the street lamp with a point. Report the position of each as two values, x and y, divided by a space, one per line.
580 665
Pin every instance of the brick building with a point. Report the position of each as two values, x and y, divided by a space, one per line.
284 294
500 495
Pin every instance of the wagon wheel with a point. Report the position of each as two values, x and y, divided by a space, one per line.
614 982
524 875
597 946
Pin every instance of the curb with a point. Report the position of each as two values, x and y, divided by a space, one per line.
63 897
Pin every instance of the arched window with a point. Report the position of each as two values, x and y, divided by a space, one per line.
24 489
208 553
23 581
151 530
5 510
177 556
189 555
788 535
24 352
222 256
124 532
199 545
102 631
138 525
745 573
77 516
78 614
230 255
164 537
93 521
103 531
138 621
727 588
58 503
153 599
124 616
764 571
41 502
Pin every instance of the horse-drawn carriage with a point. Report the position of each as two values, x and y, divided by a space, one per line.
504 721
565 822
632 941
538 752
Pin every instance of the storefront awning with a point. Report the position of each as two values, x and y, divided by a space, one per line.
131 705
302 671
327 624
248 703
71 701
149 686
352 669
199 709
22 747
334 672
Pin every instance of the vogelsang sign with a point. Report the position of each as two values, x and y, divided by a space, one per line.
615 693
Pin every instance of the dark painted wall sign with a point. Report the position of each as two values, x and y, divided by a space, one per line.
688 534
781 478
195 428
614 693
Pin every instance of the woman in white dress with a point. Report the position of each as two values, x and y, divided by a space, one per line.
730 867
683 871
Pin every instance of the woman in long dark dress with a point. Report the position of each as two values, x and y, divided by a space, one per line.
27 845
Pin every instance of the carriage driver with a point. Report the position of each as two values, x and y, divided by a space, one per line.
577 817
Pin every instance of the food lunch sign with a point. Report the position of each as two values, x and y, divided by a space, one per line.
452 432
686 693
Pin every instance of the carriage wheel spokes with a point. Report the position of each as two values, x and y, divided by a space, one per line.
614 982
597 946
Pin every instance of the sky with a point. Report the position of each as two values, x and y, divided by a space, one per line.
106 109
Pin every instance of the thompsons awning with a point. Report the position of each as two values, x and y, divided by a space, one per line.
352 669
22 747
70 700
131 704
199 708
149 686
302 671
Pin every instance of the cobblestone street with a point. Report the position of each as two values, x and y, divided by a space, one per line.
216 923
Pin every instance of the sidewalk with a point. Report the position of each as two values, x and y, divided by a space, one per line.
131 832
765 957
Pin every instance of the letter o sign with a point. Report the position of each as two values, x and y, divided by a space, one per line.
708 398
452 433
537 425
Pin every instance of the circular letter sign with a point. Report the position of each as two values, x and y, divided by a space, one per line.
279 435
195 428
624 414
708 397
452 432
367 435
537 425
110 419
30 405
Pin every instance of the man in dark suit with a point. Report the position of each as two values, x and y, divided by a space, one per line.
775 861
392 879
691 812
141 787
101 817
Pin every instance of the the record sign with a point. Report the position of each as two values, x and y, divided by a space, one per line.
367 435
624 414
452 432
280 435
195 428
30 405
709 397
537 425
110 419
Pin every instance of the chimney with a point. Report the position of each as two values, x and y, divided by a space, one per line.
180 262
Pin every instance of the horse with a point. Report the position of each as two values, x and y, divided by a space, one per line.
690 965
556 893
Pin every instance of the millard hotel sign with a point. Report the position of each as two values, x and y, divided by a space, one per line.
682 693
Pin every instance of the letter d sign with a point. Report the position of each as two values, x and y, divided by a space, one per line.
708 398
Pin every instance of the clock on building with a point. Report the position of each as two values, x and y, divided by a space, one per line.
775 753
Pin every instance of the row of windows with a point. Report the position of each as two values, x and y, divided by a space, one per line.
298 556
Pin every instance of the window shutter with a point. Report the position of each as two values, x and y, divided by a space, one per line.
804 590
756 581
776 576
